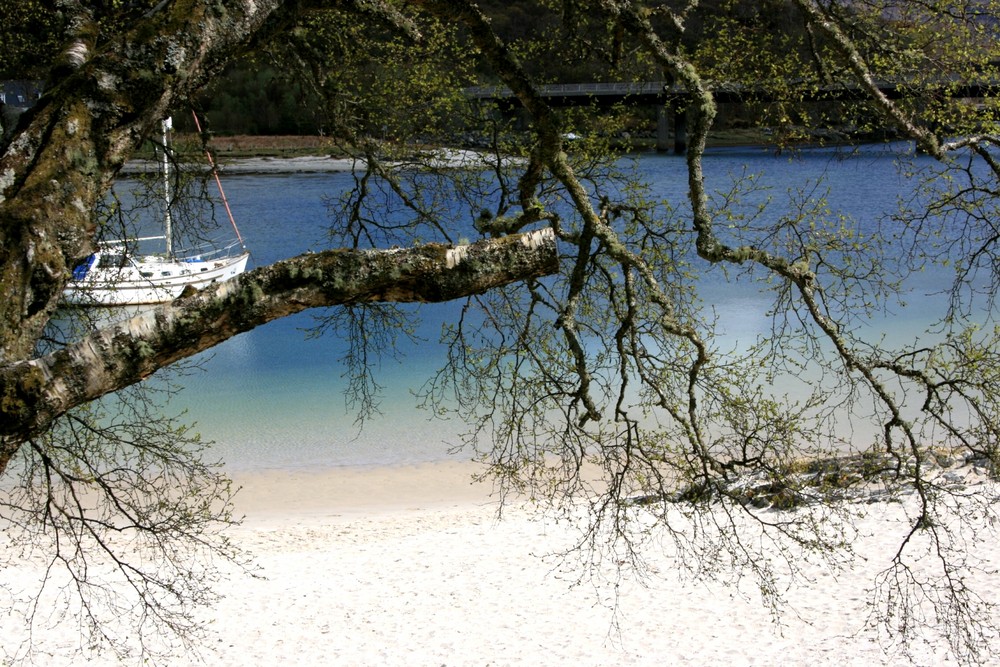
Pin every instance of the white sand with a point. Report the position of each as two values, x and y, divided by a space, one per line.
313 164
409 566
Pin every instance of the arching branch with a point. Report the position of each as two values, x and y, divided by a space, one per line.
35 392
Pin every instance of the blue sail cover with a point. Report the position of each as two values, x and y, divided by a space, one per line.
81 270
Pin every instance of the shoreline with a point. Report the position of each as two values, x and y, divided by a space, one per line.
309 164
305 164
411 565
308 154
348 492
248 164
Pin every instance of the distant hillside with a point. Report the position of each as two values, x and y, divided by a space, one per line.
265 98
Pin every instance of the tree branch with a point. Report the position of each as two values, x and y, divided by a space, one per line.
35 392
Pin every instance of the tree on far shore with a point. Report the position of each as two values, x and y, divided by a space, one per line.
587 372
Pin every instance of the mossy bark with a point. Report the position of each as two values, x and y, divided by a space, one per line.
34 392
100 103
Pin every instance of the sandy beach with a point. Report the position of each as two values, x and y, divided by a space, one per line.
410 566
313 164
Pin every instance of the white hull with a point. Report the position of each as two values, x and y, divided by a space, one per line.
119 275
110 280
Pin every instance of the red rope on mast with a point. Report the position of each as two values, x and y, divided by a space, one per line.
218 183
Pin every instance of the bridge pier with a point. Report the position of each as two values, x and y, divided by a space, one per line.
662 128
671 117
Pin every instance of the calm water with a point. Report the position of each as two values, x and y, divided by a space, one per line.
273 397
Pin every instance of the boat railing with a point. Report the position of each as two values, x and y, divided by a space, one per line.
206 250
130 241
209 250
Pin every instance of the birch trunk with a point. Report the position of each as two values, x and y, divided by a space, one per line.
37 391
100 103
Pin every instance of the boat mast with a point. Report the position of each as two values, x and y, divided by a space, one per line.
167 231
218 184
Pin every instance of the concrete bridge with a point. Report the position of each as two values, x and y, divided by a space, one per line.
671 101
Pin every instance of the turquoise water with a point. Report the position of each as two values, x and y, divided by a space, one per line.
273 397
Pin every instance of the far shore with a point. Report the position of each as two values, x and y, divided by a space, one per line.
247 154
260 165
315 161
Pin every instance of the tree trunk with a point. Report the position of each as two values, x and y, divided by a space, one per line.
97 108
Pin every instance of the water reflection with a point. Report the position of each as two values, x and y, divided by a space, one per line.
273 397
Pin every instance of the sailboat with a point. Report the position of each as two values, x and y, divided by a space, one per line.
118 275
